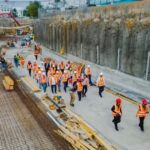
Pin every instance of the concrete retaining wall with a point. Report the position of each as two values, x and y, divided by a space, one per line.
117 40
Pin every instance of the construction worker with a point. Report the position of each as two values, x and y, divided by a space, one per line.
72 94
29 67
36 72
53 82
85 83
36 52
44 82
79 88
117 113
142 112
89 74
65 80
22 61
47 66
58 76
62 67
74 78
34 68
101 83
39 79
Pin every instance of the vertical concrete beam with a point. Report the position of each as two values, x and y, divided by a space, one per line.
118 59
81 51
147 65
97 60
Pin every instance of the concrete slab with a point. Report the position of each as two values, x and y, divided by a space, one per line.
96 112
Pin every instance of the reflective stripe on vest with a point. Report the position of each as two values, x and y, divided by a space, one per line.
74 78
65 78
142 112
44 79
79 86
88 71
101 81
117 110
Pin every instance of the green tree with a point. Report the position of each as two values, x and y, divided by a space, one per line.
14 12
32 9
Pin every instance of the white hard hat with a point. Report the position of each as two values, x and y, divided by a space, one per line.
101 74
43 73
39 66
39 72
88 66
65 71
42 62
75 71
58 68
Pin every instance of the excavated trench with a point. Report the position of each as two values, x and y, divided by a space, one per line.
24 123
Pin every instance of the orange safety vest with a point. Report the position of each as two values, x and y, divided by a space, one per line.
22 61
101 81
29 66
88 71
74 78
59 74
44 79
34 66
50 79
117 110
142 112
65 77
79 86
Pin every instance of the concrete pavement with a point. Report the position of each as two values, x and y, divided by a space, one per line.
96 112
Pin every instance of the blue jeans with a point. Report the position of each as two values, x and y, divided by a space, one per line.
101 89
90 80
44 87
65 86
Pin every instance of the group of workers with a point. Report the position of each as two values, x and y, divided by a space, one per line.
50 73
143 110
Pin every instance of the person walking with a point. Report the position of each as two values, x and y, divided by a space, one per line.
101 83
53 82
142 112
85 83
44 82
65 80
79 88
72 94
22 61
117 113
58 76
88 72
29 67
74 78
47 66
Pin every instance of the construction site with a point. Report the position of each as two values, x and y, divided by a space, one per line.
77 79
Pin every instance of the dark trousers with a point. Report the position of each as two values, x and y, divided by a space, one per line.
36 57
101 89
46 71
79 95
84 90
116 120
65 86
141 124
53 88
90 80
29 72
59 86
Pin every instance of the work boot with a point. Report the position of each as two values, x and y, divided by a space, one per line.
116 127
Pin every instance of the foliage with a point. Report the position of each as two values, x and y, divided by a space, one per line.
32 9
14 12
